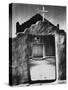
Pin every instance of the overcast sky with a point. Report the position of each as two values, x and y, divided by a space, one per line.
23 12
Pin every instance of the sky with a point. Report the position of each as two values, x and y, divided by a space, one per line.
23 12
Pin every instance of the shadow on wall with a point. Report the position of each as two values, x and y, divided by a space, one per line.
62 62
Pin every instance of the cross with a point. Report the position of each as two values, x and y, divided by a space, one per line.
43 11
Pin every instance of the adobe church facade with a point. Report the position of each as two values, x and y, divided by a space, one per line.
39 40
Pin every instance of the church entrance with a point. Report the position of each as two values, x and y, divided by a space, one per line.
42 60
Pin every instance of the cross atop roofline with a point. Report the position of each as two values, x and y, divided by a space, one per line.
43 11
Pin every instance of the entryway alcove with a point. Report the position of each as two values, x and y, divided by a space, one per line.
42 58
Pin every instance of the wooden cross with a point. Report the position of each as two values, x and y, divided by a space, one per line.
43 11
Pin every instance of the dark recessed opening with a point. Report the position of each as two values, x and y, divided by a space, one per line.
42 46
